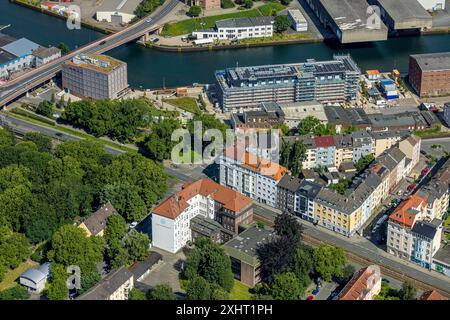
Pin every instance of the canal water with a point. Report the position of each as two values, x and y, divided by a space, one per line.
151 68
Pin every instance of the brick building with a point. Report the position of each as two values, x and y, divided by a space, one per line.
429 74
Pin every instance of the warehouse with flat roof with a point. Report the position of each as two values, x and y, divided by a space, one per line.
403 15
350 20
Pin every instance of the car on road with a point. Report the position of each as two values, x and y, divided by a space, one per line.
133 225
59 134
148 20
310 298
103 42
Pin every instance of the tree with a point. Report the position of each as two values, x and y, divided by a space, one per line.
276 256
286 286
161 292
158 144
116 227
42 141
292 156
248 4
63 47
408 291
312 125
45 108
329 261
6 137
136 294
285 2
286 225
198 289
342 186
71 246
348 272
282 23
364 162
209 261
218 293
195 11
56 288
15 293
137 244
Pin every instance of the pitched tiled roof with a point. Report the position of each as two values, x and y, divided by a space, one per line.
360 284
323 142
432 295
176 204
405 213
256 164
97 221
108 285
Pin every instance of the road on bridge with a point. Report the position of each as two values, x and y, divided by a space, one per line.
28 81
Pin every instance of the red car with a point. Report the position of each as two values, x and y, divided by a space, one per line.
310 298
425 170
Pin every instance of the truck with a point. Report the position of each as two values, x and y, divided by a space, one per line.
203 41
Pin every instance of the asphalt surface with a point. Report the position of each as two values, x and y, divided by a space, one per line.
101 45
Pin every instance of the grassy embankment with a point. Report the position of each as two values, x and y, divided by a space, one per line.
189 25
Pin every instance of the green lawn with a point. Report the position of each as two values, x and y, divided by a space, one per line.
12 275
189 25
447 221
240 291
185 103
277 37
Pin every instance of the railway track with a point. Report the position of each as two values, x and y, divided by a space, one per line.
396 274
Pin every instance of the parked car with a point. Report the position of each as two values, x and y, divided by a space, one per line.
133 225
310 298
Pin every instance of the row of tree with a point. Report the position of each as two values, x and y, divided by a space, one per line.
118 119
43 188
288 265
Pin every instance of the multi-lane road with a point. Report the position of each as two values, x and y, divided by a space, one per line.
28 81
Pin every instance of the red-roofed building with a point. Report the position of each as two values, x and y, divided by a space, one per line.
324 141
432 295
364 285
201 208
251 175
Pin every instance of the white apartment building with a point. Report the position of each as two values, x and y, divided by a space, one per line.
415 227
250 175
238 28
299 22
171 220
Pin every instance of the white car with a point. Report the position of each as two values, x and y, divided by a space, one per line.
148 20
133 225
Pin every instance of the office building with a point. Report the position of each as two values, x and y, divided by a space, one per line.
429 74
238 28
242 251
332 81
95 76
201 208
